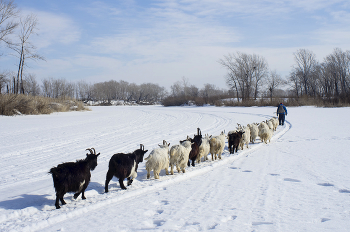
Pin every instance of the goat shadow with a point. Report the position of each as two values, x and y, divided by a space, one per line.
40 201
95 186
26 200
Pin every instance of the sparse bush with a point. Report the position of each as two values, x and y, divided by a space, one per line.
13 104
174 101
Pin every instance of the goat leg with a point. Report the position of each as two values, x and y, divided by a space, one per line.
76 195
121 183
130 181
109 177
172 169
57 203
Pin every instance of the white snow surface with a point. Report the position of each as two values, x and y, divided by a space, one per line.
298 182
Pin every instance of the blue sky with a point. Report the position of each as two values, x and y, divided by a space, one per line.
163 41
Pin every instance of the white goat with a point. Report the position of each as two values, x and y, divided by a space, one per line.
179 156
269 124
157 160
265 133
217 145
204 149
275 123
254 131
245 137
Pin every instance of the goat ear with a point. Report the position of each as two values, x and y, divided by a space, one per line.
146 151
98 154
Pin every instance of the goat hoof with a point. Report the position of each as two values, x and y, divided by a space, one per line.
58 207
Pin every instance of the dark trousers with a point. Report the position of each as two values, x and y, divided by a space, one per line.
281 118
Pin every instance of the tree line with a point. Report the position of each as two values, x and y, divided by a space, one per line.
102 92
248 76
329 80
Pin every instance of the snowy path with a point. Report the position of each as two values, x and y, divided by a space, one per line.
273 187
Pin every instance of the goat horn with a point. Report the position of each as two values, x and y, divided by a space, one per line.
94 150
89 150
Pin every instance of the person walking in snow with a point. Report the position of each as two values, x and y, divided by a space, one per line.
281 113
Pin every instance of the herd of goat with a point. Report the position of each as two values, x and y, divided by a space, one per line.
75 176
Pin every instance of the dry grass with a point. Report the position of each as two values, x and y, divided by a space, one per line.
14 104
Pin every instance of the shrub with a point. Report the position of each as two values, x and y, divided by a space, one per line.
12 104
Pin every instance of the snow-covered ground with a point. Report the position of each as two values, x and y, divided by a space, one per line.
298 182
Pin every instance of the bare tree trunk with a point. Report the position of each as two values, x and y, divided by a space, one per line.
22 89
14 85
20 65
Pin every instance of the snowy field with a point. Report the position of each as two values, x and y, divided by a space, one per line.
298 182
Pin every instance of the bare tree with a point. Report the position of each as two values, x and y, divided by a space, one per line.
339 64
273 82
260 72
304 68
210 93
30 85
3 80
8 11
83 91
177 89
245 73
24 48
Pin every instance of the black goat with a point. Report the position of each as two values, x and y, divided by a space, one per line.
73 176
124 166
234 140
196 142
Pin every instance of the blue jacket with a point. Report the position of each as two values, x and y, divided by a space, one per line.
281 111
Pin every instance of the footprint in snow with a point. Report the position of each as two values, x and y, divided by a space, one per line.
273 174
165 202
261 223
246 171
344 191
160 211
325 184
229 218
291 180
158 222
325 219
